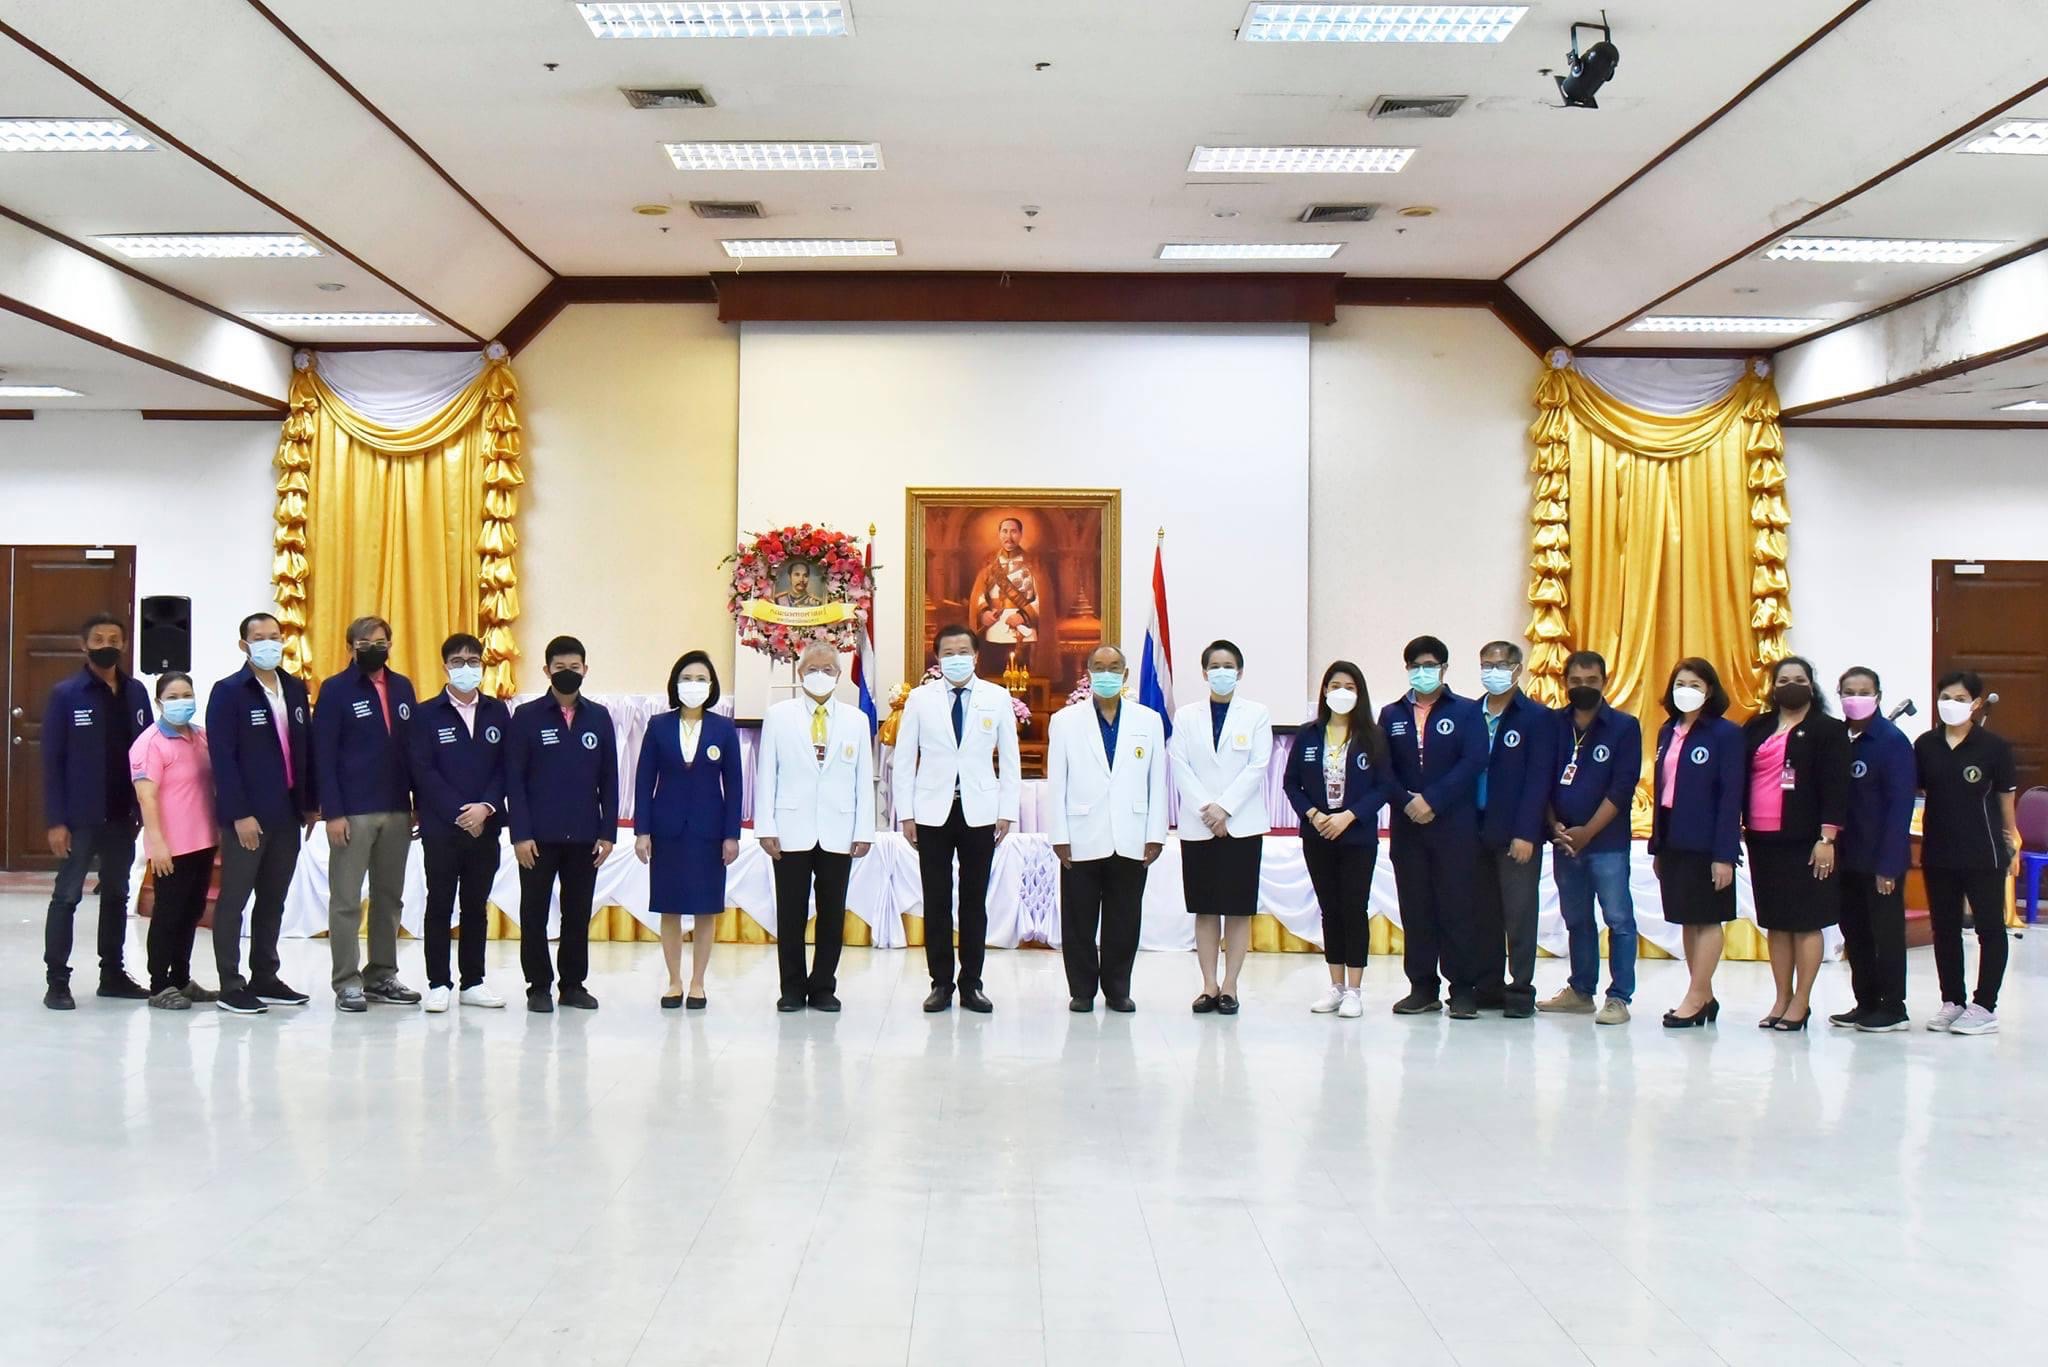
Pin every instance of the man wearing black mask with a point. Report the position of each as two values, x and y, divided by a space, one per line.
89 805
1598 761
365 785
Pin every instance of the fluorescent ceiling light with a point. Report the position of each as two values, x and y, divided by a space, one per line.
1248 251
1679 322
38 391
809 246
1915 251
775 156
342 320
69 135
2026 406
1379 23
2023 137
223 246
1304 160
760 19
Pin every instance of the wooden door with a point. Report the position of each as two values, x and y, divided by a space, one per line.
1992 616
50 591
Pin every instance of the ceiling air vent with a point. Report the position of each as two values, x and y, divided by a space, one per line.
677 97
1339 213
1416 106
726 208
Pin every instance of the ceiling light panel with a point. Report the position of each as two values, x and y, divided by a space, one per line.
2014 137
341 320
759 19
1379 23
1248 251
2026 406
1675 322
216 246
38 391
775 156
1298 160
70 135
808 246
1914 251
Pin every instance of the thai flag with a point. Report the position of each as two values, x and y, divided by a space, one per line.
864 654
1155 671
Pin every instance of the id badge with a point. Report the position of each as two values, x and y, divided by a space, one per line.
1787 780
1571 771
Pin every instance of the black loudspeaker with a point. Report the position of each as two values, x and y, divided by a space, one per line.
166 635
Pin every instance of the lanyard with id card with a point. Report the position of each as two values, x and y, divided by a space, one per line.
1571 766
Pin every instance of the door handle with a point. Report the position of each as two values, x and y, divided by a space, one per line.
17 712
17 740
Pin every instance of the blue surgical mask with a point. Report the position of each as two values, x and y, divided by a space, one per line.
1496 680
958 669
266 654
466 678
1223 682
1425 678
1106 683
180 711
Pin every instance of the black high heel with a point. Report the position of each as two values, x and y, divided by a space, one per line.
1706 1015
1769 1022
1790 1026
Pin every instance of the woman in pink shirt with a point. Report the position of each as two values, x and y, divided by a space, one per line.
174 783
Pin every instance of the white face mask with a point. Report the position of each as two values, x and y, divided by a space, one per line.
693 692
1341 700
1954 711
819 684
1688 699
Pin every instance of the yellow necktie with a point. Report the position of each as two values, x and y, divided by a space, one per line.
818 728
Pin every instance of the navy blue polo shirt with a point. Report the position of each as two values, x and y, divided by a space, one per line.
562 775
1108 726
1605 762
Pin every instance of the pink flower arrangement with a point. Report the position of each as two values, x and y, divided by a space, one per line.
847 580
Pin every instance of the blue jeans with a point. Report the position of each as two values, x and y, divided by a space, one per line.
1601 873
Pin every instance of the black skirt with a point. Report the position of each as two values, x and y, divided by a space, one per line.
1220 877
1788 896
1686 878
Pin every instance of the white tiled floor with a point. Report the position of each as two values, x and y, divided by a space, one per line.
649 1187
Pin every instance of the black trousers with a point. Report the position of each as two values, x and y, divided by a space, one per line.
1874 935
1109 893
797 873
265 873
460 867
1947 889
976 848
1433 876
174 918
1342 878
1504 905
111 845
572 862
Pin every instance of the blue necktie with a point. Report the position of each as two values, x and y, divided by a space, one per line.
959 720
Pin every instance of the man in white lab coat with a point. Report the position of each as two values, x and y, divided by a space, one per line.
953 798
814 813
1105 773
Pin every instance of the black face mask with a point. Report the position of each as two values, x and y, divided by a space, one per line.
566 680
105 657
371 658
1585 697
1792 696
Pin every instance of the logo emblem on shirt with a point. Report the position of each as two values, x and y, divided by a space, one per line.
405 711
82 717
1399 728
299 714
1512 739
446 735
550 736
1364 762
1699 755
361 708
590 740
711 753
988 723
848 752
1858 769
258 717
1138 752
1601 754
1446 726
1972 774
1308 753
141 717
491 735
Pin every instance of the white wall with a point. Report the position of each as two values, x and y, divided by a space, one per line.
1418 476
1872 510
194 498
1205 430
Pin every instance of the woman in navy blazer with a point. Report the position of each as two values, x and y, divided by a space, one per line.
686 818
1699 778
1337 779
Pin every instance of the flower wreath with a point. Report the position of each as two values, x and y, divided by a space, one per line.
780 631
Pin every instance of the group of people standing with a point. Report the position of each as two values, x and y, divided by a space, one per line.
1477 787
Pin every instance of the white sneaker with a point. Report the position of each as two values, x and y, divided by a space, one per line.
1351 1008
438 999
481 995
1943 1019
1975 1021
1329 1001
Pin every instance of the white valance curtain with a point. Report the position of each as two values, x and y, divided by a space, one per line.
1666 385
399 388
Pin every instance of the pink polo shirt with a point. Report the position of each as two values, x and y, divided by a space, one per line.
1766 796
182 770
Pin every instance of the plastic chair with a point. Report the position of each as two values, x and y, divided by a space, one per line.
2032 813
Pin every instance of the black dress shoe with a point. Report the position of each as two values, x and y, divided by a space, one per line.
974 999
789 1004
1849 1019
1417 1004
674 1003
540 1001
1080 1005
1463 1008
579 997
696 1003
940 999
58 997
1516 1008
1205 1005
1122 1004
123 988
1226 1005
824 1001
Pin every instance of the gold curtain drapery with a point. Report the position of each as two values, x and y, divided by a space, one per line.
412 524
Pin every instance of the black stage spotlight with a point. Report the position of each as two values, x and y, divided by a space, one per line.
1591 69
